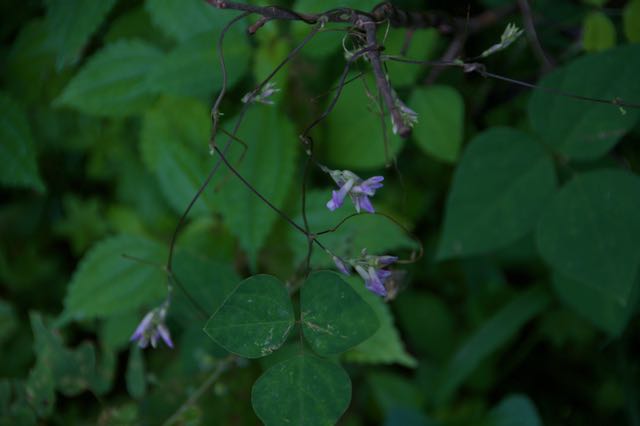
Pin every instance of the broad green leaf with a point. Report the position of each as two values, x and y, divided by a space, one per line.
499 189
302 391
355 137
631 21
491 335
590 232
182 19
174 146
113 82
17 151
601 308
268 165
515 410
598 32
385 346
105 283
580 129
440 121
334 317
136 24
71 24
256 318
422 45
377 234
193 68
135 375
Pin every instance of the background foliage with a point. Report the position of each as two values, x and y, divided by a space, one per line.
521 312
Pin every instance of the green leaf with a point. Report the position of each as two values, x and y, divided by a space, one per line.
334 317
440 121
586 130
598 32
40 388
631 21
499 189
268 165
256 318
182 19
385 346
135 376
590 232
71 24
106 284
174 146
355 137
515 410
193 68
17 152
114 80
491 335
302 391
377 234
392 391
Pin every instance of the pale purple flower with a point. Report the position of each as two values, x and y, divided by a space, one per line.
386 260
152 328
342 266
359 190
374 279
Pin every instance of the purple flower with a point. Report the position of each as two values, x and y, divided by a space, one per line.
386 260
359 190
342 266
374 279
151 328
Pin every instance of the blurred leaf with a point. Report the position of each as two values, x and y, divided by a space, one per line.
302 391
355 137
377 234
601 308
182 19
385 346
515 410
40 389
590 232
334 317
598 32
207 281
268 165
440 121
117 330
586 130
631 21
83 223
135 376
193 68
422 45
427 323
71 24
499 188
393 391
8 320
136 24
406 417
589 235
255 319
106 284
174 146
17 152
491 335
113 82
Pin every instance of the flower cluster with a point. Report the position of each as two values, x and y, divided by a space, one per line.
371 269
359 190
262 97
151 328
510 34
